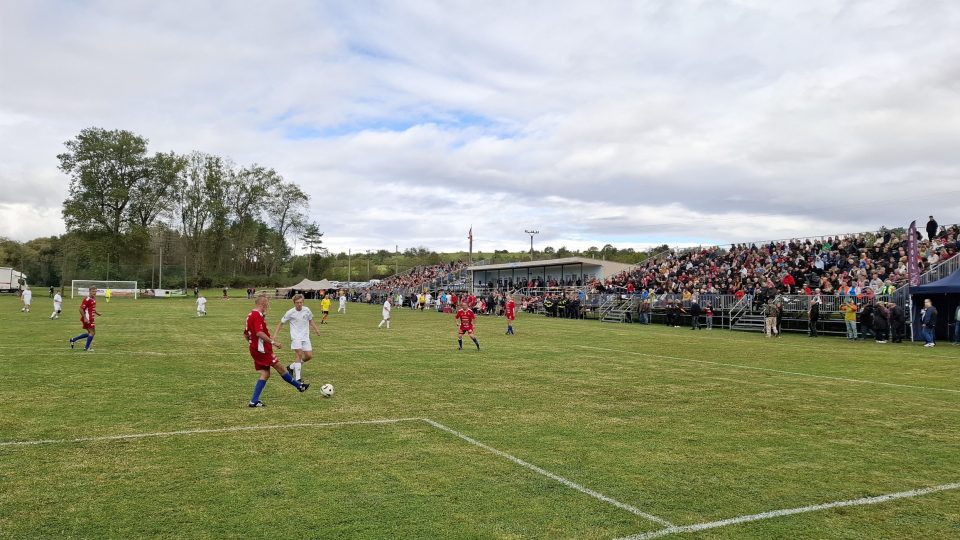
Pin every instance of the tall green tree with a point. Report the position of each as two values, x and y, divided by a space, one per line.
105 168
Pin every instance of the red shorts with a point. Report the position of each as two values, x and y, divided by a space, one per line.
87 325
263 360
466 329
511 317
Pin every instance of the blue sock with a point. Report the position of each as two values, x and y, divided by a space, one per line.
89 341
475 342
78 338
460 342
289 378
257 389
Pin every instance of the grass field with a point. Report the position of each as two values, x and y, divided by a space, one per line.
570 429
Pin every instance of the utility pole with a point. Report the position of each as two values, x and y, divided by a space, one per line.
368 265
348 266
532 234
396 249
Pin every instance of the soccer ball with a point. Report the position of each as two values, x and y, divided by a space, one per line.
327 390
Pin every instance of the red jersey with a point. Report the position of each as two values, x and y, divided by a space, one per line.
88 307
510 310
465 317
471 300
256 323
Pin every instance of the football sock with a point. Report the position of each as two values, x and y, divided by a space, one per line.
78 338
296 370
289 378
89 341
460 343
257 389
381 324
475 342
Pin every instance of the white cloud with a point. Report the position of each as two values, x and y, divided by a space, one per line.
605 122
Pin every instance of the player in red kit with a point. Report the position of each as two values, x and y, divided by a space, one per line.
510 312
88 310
465 317
261 349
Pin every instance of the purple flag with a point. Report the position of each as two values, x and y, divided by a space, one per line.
913 255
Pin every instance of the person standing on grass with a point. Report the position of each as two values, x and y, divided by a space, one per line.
896 322
956 326
201 306
849 310
387 308
709 315
510 312
881 323
928 323
108 294
814 315
694 315
324 308
301 320
88 312
261 350
57 305
770 319
343 303
26 297
465 317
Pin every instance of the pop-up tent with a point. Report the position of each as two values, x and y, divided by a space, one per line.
945 295
310 285
306 287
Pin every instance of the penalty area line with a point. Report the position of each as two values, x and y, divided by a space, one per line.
206 431
557 478
772 370
792 511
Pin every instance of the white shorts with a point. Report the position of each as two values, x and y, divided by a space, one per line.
301 344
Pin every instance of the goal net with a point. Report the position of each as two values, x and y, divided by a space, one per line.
81 287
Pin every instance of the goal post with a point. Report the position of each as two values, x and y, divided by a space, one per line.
126 289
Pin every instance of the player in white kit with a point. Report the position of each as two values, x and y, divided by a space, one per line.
343 303
201 306
301 320
57 305
386 314
27 298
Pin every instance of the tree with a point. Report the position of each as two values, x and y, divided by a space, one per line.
104 168
312 238
152 194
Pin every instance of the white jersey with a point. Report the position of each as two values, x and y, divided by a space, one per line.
299 323
343 301
386 309
201 304
27 296
57 301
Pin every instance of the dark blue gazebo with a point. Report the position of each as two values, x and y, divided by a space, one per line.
945 295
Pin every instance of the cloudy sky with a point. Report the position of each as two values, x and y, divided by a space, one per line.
631 123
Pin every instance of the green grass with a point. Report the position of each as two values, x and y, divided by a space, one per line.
621 409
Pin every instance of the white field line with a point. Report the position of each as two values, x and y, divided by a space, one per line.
791 511
570 484
771 370
201 431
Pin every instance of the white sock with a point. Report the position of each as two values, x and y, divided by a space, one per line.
296 369
388 324
381 323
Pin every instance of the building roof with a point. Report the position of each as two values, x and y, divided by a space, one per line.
609 267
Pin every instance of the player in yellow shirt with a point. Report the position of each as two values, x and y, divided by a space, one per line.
325 308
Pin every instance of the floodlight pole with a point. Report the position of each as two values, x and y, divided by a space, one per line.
532 234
